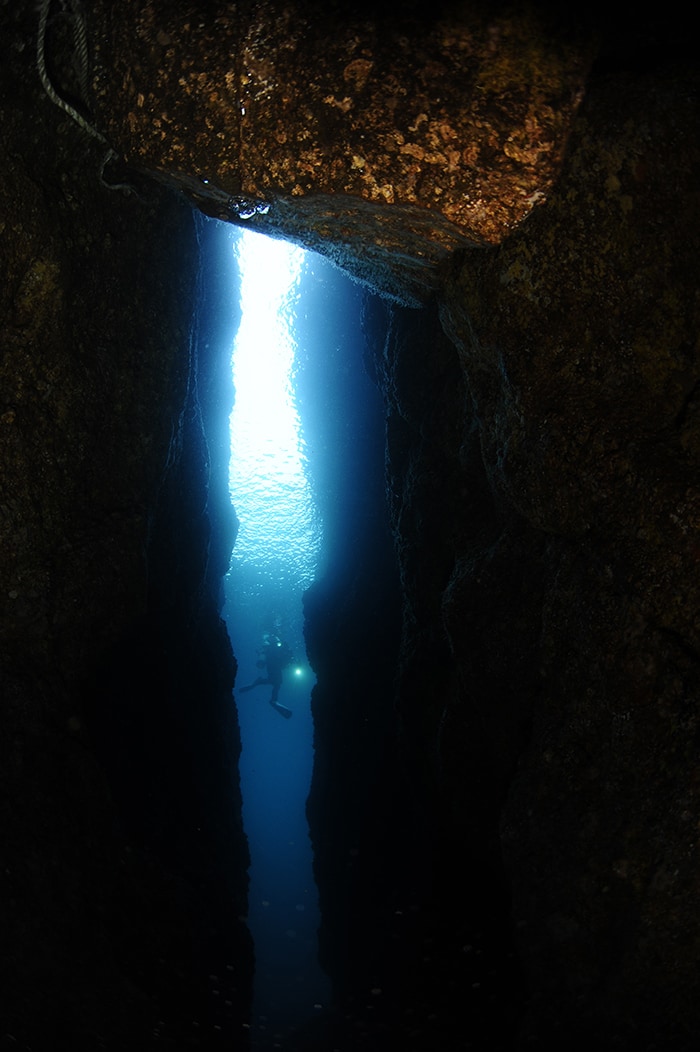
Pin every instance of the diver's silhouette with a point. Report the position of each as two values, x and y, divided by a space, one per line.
275 656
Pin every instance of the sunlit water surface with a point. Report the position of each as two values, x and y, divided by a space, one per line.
279 536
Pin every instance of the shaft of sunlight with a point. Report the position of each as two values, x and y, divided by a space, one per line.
268 482
273 561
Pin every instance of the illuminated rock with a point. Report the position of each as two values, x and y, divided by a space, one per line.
384 141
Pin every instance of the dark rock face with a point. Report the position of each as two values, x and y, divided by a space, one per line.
504 806
542 481
579 340
405 794
123 871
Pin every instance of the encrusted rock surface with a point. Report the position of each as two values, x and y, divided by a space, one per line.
540 733
542 478
123 861
579 339
414 131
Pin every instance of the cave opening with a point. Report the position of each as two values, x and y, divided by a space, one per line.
307 483
273 561
306 441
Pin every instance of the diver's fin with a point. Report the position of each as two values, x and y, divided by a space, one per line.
282 709
259 682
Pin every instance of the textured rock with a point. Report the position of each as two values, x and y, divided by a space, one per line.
579 343
542 480
121 841
544 502
385 140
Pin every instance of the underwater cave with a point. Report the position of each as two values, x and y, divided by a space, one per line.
478 827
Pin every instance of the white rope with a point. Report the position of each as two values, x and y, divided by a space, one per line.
80 42
80 38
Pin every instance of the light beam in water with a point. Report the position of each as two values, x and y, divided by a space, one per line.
273 561
269 488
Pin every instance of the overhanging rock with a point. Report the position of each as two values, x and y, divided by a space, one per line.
385 142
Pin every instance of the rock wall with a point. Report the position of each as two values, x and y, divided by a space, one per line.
405 795
123 859
579 342
534 786
542 480
385 137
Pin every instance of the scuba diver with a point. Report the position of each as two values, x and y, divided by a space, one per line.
274 658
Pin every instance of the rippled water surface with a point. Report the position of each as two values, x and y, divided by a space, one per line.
279 534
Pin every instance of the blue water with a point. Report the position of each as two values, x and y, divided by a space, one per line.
274 559
279 534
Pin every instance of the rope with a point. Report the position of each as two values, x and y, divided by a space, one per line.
80 40
81 48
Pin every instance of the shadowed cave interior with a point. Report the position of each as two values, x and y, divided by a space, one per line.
333 322
503 627
399 959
